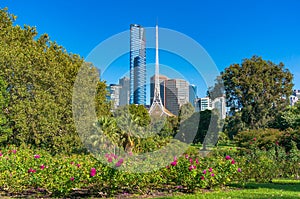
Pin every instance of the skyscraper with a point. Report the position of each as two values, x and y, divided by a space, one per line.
193 94
177 94
124 91
114 95
137 65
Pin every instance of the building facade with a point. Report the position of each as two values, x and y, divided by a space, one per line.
192 94
137 64
114 95
162 83
124 91
176 94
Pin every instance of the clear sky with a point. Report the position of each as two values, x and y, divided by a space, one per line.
228 30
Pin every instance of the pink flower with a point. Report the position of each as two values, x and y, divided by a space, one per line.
192 167
36 156
14 151
204 171
93 172
210 169
197 161
232 162
202 177
174 163
212 174
31 170
42 167
227 157
119 163
78 165
1 154
130 153
179 187
109 159
72 178
114 156
191 160
168 167
254 139
71 162
186 156
239 170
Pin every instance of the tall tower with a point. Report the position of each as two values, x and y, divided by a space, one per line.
137 65
157 108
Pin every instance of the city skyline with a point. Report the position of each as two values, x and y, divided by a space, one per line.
229 31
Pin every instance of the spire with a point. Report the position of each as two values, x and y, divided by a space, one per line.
157 107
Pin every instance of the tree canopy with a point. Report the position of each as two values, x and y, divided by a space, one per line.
40 75
256 91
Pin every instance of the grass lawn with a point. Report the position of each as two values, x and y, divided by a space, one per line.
278 189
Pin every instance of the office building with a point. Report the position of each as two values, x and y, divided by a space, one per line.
124 91
177 94
137 65
192 94
114 95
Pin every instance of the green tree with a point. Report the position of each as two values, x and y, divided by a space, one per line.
40 76
256 91
5 131
289 118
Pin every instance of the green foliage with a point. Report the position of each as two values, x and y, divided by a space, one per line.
254 91
208 127
5 130
289 118
40 76
262 138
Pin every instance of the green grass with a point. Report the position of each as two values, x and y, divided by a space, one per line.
285 189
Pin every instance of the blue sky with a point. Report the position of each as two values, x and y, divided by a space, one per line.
228 30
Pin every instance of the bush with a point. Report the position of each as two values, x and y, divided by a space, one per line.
263 138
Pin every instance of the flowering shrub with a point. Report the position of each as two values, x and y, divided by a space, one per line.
23 169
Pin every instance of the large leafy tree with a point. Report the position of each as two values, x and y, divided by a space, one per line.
40 76
5 131
256 91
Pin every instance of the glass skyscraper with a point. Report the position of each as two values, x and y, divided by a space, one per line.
137 65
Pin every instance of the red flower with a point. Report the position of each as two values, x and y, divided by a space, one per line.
197 161
192 167
72 178
232 162
93 172
254 139
202 177
174 163
31 170
36 156
42 167
78 165
71 162
119 163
